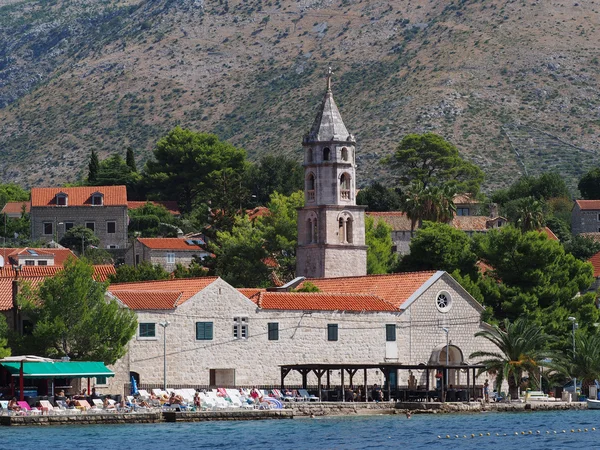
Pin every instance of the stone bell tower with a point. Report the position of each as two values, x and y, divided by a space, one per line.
331 227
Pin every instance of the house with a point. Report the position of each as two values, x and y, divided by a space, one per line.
102 209
14 210
585 216
218 335
166 252
35 256
466 205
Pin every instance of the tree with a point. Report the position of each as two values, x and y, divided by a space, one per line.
589 185
377 197
79 238
521 347
584 363
143 271
530 214
4 349
560 228
273 173
11 192
438 246
93 168
434 203
582 247
196 167
544 187
72 317
381 257
152 220
194 270
130 160
431 160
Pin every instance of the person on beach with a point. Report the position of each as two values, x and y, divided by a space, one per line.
197 400
486 391
408 415
94 395
13 405
106 404
255 396
377 393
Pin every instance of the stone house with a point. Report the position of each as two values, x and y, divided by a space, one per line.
585 216
103 209
35 256
166 252
219 335
14 210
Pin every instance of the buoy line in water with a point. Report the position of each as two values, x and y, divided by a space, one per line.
517 433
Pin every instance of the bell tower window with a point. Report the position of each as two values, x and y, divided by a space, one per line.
310 188
309 155
345 187
326 154
344 154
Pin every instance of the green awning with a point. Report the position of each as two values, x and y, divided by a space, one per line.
59 369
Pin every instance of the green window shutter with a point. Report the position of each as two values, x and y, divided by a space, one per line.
273 331
332 332
390 332
147 330
204 331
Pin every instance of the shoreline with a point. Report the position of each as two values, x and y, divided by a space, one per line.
291 411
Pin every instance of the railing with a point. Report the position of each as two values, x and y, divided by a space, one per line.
311 195
345 194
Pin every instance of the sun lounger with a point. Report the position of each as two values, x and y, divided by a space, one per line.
220 402
47 407
63 408
28 409
279 396
306 396
273 403
83 405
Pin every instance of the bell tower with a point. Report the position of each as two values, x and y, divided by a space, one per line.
331 227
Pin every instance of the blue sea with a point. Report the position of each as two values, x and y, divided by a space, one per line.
362 432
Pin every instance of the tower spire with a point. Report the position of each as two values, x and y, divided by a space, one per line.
329 74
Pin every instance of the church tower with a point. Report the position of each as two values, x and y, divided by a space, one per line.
331 227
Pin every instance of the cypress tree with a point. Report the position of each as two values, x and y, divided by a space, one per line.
93 167
130 159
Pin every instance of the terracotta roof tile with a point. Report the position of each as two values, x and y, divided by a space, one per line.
588 204
395 219
394 288
595 260
251 292
15 207
259 211
170 205
79 196
185 287
463 199
148 300
60 254
549 233
170 244
319 301
470 223
594 235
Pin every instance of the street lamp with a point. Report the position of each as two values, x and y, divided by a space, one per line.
574 321
447 331
164 324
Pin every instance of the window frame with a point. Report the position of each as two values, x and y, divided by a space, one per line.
97 196
240 327
333 332
171 258
146 338
69 225
93 226
42 262
62 200
212 331
273 331
30 262
114 224
46 224
448 302
390 332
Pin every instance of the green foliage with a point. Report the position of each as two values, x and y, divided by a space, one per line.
144 271
544 187
19 227
307 287
114 171
195 168
589 185
11 192
521 348
560 228
377 197
380 256
434 203
433 161
79 238
4 348
152 220
584 363
73 318
194 270
530 214
438 246
582 247
273 173
93 168
98 256
130 160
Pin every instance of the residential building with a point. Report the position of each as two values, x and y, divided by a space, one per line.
219 335
166 252
103 209
35 256
14 210
331 226
585 216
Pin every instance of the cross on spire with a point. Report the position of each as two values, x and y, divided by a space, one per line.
329 74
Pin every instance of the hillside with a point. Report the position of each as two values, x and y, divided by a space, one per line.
514 84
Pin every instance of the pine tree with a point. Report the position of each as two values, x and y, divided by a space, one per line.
93 167
130 158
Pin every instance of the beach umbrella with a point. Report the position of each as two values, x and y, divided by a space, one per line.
134 388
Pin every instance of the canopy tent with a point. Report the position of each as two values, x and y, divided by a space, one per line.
58 369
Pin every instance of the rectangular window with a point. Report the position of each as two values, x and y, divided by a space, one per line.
29 262
42 263
111 227
61 200
273 331
204 331
90 225
147 330
240 327
390 332
96 200
137 259
100 380
48 228
462 211
69 225
170 258
332 331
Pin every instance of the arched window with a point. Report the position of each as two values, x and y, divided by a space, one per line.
344 154
315 233
310 187
345 186
309 231
309 155
342 232
326 154
349 230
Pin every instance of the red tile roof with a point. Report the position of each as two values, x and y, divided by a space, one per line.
251 292
395 219
60 254
394 288
170 205
319 301
462 199
588 204
594 236
470 223
137 292
79 196
259 211
549 233
35 275
15 207
169 244
595 260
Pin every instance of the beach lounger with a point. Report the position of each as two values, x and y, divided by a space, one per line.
28 409
63 408
279 396
207 402
4 407
47 407
306 396
273 402
144 394
83 405
220 402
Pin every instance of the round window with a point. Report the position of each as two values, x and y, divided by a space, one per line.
443 301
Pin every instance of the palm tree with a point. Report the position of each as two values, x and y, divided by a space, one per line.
521 347
414 204
584 364
432 203
531 214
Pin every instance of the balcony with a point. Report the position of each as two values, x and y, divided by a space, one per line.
345 194
311 195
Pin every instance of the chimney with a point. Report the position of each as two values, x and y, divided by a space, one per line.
493 210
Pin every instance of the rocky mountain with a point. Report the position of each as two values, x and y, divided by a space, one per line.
513 83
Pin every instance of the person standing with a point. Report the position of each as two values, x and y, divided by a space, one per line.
486 391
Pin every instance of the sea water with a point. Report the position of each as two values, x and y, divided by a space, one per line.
321 433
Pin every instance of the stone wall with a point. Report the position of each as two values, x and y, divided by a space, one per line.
584 221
